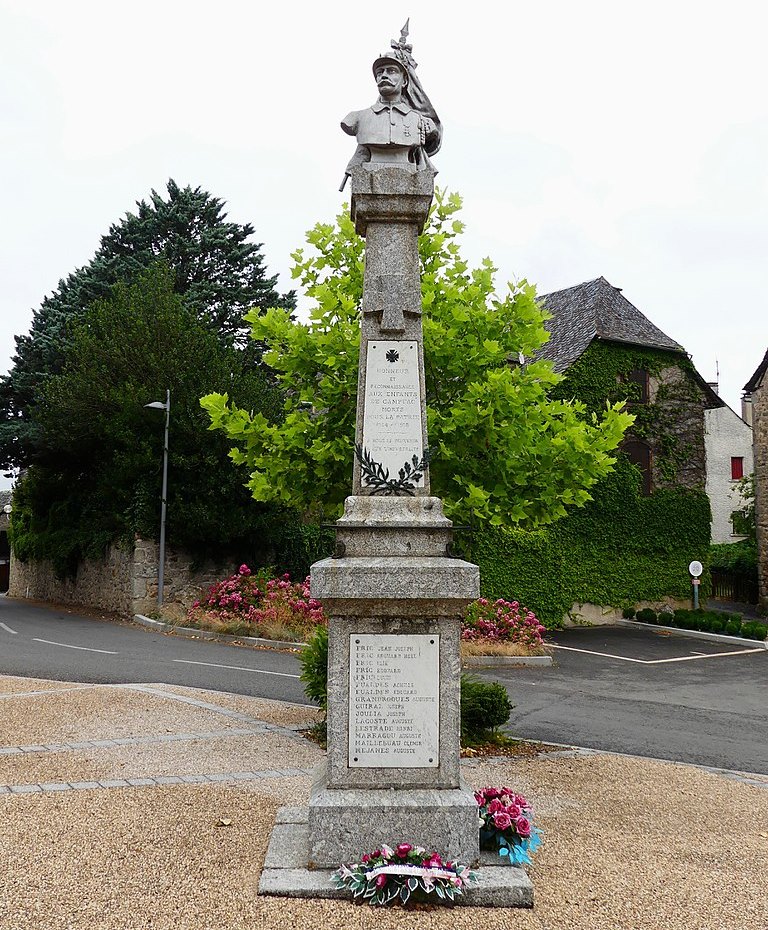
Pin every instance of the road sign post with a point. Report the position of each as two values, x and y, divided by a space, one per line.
695 568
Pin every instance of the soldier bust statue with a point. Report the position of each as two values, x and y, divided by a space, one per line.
402 126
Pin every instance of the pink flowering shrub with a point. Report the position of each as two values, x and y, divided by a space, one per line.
257 605
501 622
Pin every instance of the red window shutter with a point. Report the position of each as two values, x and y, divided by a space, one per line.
737 467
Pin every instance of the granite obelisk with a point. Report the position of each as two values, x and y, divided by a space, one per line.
393 595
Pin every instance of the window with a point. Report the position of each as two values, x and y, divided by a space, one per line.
639 454
637 385
737 467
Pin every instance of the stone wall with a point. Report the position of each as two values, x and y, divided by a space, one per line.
124 582
104 584
760 439
183 582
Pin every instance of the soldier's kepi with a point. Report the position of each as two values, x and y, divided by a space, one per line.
402 126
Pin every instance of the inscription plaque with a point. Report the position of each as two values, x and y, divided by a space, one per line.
392 429
394 700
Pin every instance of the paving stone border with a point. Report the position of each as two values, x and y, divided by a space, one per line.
152 781
44 691
289 730
566 751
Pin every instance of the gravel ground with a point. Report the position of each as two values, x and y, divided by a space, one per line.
628 843
100 713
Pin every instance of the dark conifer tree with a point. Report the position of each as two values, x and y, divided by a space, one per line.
217 270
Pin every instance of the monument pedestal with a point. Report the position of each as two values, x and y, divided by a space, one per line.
395 602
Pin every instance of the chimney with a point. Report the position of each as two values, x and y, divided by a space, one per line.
746 408
715 387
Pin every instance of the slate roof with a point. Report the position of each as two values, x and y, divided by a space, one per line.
5 498
595 310
754 382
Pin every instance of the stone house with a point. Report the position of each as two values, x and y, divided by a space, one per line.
728 447
756 399
595 325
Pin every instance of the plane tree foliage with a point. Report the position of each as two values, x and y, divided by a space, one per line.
214 266
504 451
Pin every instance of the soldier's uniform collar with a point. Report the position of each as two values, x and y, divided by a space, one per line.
401 107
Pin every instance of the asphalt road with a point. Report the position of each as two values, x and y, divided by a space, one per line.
41 642
639 692
669 697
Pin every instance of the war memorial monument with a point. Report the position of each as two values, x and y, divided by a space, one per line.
393 594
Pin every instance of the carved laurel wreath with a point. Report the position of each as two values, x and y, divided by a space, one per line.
377 479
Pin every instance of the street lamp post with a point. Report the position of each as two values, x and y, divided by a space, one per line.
158 405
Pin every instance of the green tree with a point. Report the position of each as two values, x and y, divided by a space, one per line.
218 271
744 517
95 477
503 451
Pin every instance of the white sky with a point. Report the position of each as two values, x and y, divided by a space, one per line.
591 138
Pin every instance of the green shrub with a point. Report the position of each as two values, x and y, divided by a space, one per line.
733 627
734 618
754 630
485 706
646 615
628 613
314 667
717 624
739 558
666 618
685 619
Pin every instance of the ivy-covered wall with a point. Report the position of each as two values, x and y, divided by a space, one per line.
624 547
672 422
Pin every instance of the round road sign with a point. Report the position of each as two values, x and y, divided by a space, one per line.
695 568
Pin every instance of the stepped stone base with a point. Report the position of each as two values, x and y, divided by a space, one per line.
343 823
286 874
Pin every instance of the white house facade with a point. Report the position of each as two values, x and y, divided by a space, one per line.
728 450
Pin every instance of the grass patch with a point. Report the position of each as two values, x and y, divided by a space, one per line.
268 629
490 648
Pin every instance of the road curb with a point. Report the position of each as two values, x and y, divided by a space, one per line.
505 661
190 631
695 634
469 662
